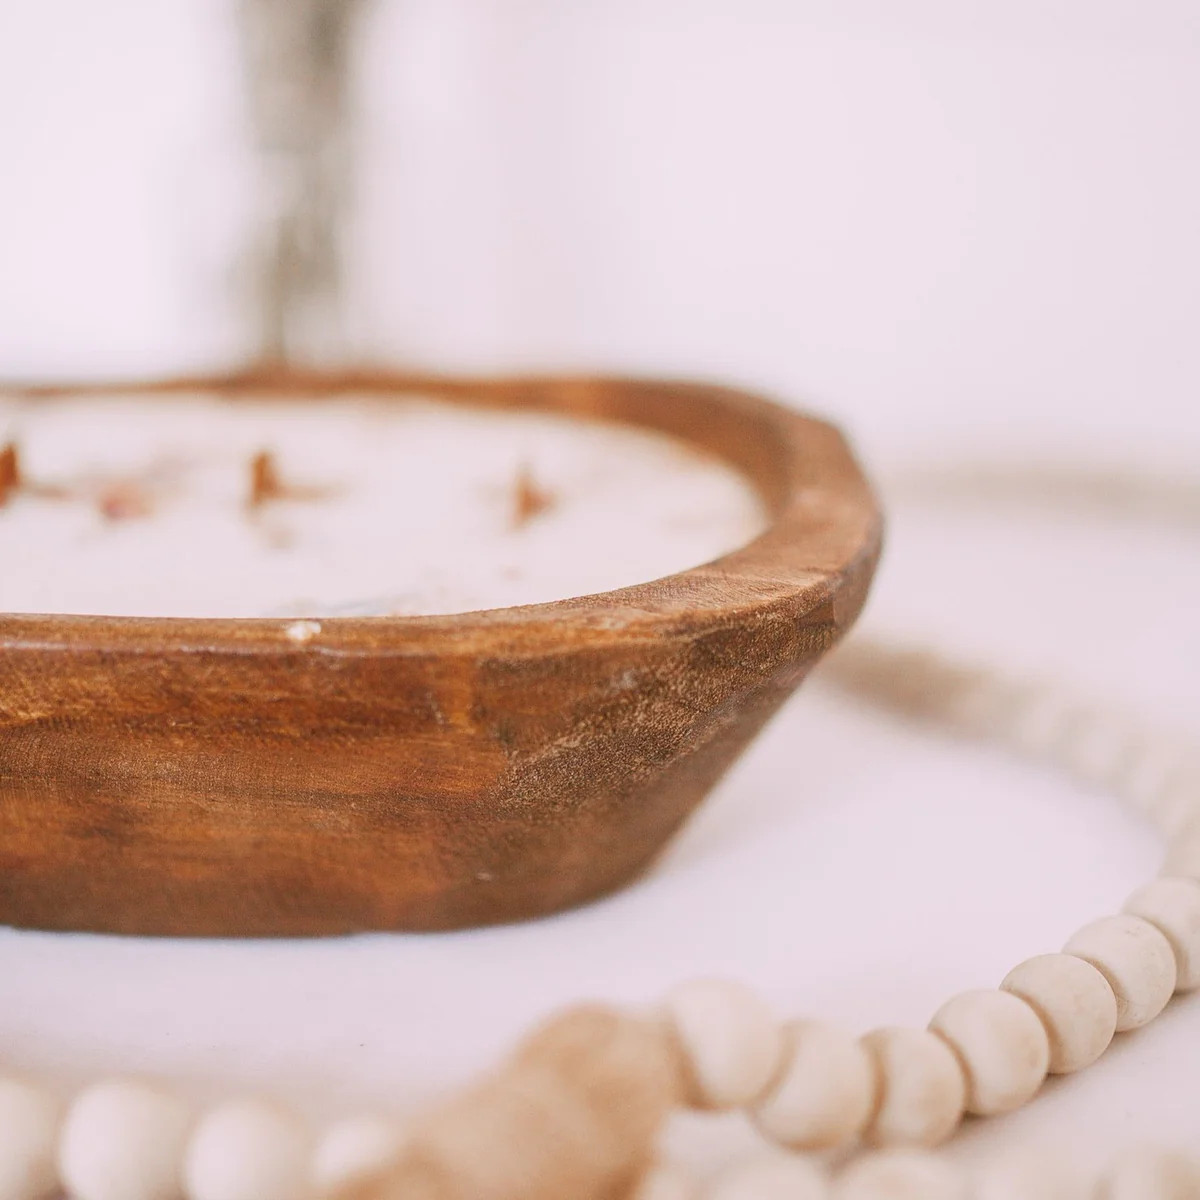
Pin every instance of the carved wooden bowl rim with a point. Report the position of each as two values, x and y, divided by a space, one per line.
822 536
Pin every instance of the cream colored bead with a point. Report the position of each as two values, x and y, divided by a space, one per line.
1002 1044
825 1093
248 1150
770 1177
922 1091
666 1181
731 1042
1075 1004
1183 852
1034 1177
900 1175
29 1117
355 1147
1149 1173
1136 959
1172 906
123 1140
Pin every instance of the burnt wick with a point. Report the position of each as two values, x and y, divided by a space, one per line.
529 498
10 471
267 484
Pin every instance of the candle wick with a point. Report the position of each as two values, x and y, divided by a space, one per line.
265 483
10 471
529 498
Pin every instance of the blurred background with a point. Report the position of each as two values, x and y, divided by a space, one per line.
966 230
937 220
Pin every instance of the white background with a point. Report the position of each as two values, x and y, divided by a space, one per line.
967 231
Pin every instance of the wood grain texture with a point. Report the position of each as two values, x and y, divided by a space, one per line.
216 777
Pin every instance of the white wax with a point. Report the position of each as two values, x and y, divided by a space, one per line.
411 508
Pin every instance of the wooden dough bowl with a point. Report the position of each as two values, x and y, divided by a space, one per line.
220 777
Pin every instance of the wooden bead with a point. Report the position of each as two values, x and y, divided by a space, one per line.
1075 1004
900 1175
825 1093
731 1043
1183 852
1136 959
666 1181
574 1113
354 1148
770 1177
1150 1173
1002 1045
1172 906
123 1140
248 1150
922 1091
29 1117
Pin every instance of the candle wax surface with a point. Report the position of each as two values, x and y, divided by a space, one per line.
139 506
